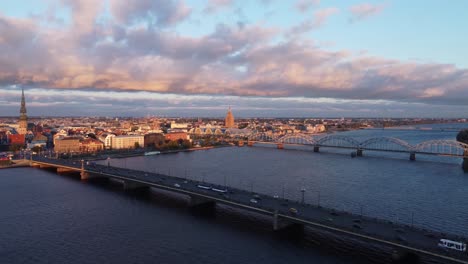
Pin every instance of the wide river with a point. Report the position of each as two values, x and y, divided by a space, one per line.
47 218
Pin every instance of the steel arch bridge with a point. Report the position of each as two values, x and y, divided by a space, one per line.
297 139
262 137
443 147
337 141
386 144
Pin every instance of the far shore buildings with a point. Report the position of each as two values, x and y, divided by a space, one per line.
127 141
77 144
229 120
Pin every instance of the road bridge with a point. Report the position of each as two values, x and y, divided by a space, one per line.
283 212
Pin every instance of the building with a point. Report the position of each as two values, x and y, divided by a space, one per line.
107 139
67 145
174 136
229 120
154 139
127 142
39 140
23 120
91 145
16 139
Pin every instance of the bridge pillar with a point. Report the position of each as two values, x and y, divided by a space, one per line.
202 205
465 164
316 148
35 165
64 170
131 185
359 152
250 143
284 227
280 146
412 156
86 175
241 143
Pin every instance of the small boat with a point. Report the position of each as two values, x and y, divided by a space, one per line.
149 153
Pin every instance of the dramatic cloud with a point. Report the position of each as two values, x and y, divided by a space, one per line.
362 11
305 5
135 47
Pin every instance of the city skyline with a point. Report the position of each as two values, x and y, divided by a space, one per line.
300 58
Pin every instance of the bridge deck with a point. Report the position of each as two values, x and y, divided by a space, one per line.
395 235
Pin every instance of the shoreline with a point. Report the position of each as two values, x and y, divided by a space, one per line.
16 164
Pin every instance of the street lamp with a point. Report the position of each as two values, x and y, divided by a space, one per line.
302 194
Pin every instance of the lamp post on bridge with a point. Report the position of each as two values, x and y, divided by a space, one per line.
302 194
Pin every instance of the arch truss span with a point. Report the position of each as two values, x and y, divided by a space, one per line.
387 144
442 147
262 136
338 141
299 139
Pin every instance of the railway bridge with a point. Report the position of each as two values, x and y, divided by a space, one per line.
447 148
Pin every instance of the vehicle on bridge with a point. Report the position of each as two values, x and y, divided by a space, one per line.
446 243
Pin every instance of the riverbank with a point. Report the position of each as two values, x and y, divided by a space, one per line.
16 164
142 153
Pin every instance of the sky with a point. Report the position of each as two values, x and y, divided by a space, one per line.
264 58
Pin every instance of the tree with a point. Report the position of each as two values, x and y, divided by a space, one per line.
37 149
15 147
462 136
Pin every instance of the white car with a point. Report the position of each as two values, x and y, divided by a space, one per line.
177 185
253 201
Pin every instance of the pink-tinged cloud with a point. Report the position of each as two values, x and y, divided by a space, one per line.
215 5
305 5
232 60
362 11
319 19
166 12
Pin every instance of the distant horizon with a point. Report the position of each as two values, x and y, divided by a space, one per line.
240 117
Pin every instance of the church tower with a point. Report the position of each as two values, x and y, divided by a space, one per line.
229 120
23 120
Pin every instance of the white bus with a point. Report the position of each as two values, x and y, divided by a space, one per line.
445 243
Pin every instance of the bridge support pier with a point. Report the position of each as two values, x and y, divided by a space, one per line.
131 185
250 143
359 152
404 257
280 146
412 156
202 205
34 165
465 164
286 227
61 170
316 148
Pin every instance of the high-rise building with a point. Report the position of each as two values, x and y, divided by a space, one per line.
23 120
229 120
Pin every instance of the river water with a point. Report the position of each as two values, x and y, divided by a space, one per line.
47 218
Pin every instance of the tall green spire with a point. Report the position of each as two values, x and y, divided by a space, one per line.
23 106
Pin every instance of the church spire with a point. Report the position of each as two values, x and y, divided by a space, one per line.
23 103
23 120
